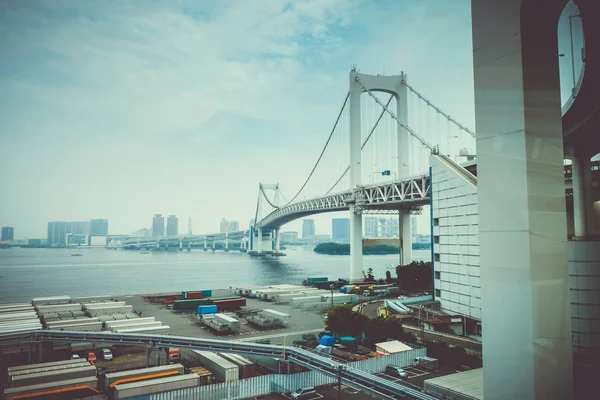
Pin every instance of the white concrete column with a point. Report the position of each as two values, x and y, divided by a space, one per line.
277 241
226 241
205 243
527 350
579 220
590 220
259 244
405 233
356 261
356 254
403 135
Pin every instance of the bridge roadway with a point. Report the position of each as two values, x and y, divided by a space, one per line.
408 193
353 377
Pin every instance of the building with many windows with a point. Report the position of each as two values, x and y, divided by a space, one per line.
289 237
57 233
79 227
8 233
234 226
371 227
172 225
308 228
340 229
99 227
158 225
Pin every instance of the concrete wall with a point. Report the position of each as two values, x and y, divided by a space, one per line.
456 241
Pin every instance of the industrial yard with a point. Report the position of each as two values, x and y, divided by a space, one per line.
276 314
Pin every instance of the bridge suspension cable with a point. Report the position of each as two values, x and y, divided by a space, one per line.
364 143
448 117
405 126
320 156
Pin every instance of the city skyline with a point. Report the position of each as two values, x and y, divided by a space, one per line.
211 120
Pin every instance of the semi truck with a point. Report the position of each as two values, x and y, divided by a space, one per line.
427 363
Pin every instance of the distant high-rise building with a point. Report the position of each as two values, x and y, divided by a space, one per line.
172 225
391 227
289 237
234 226
144 232
158 225
413 221
8 233
308 228
57 233
340 229
224 226
79 227
371 227
99 227
189 225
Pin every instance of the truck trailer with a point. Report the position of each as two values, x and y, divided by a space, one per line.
222 369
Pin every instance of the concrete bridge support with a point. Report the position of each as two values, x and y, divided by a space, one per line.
277 241
527 350
405 237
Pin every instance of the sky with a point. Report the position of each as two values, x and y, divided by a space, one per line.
121 110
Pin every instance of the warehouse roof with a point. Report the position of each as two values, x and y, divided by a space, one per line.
469 383
393 346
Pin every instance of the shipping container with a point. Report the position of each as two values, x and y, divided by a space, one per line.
94 326
50 300
114 378
232 304
72 321
223 369
161 330
212 299
203 310
297 301
91 299
311 281
53 376
45 365
274 314
37 368
144 388
29 391
186 305
90 306
17 316
110 310
232 323
8 310
12 305
123 328
125 322
247 369
196 294
59 308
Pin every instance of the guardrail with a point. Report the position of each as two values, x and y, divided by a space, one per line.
350 376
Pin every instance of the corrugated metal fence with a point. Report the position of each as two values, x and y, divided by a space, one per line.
281 383
245 388
378 364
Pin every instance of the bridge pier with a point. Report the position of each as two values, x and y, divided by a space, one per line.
405 233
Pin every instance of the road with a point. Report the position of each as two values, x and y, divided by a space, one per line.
328 392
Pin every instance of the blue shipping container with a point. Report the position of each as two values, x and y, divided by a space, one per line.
316 280
327 340
212 309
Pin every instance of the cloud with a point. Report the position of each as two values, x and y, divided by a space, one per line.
121 110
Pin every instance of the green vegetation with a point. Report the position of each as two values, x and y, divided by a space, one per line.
341 320
415 276
344 249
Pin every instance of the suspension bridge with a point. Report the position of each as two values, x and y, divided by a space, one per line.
375 160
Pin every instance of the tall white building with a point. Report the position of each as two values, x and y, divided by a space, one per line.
224 226
234 226
457 282
371 227
172 225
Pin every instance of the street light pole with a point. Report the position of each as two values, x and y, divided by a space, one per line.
331 287
340 368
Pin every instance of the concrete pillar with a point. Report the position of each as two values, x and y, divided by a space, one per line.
226 242
403 135
259 244
590 220
405 233
579 220
277 241
356 261
527 351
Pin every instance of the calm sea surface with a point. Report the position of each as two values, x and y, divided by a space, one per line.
27 273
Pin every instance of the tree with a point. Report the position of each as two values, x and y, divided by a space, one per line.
370 276
341 320
381 328
388 276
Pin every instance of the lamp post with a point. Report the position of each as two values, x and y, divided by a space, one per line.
340 368
331 287
284 339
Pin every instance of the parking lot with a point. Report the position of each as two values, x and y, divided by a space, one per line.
416 376
328 392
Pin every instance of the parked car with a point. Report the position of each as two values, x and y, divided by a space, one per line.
395 370
91 357
75 357
107 354
303 393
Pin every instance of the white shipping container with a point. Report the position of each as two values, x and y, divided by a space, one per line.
72 321
59 308
143 389
95 326
110 310
51 300
161 330
223 369
121 328
90 306
17 316
232 323
297 301
125 322
273 314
